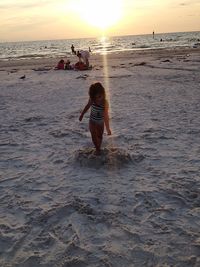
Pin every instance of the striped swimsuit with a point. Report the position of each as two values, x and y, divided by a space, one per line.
97 113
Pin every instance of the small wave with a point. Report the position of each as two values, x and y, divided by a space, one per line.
54 48
30 56
105 47
143 46
196 45
194 40
170 40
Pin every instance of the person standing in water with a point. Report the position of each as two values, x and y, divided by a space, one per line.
73 51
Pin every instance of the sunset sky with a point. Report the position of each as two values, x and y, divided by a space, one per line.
22 20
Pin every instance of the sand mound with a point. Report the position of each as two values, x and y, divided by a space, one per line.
110 157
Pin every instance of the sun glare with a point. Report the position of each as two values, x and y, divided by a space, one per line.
102 13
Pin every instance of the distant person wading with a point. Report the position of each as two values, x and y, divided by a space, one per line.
73 50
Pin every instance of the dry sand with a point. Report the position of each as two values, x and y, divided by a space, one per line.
138 204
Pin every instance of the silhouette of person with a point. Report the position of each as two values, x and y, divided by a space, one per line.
73 51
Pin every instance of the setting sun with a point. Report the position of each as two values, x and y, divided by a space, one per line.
63 19
101 14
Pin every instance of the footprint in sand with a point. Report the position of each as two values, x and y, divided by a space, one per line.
111 157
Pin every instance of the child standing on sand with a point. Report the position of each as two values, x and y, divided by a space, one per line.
98 115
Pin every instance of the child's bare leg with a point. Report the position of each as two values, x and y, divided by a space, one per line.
100 130
96 131
94 136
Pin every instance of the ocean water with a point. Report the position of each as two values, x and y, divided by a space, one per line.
62 48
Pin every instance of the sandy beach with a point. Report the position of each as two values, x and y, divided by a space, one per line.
138 204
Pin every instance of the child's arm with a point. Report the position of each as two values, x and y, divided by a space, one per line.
85 110
106 119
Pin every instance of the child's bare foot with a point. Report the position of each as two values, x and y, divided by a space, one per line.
97 152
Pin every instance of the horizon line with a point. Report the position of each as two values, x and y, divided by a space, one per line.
59 39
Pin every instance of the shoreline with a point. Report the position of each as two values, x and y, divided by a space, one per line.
50 63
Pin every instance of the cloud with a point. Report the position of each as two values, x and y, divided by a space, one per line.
189 3
180 4
18 14
22 4
27 22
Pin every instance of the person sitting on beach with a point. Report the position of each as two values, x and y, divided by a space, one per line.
80 66
68 66
60 65
83 56
98 115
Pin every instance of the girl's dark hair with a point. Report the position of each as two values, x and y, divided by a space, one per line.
96 89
